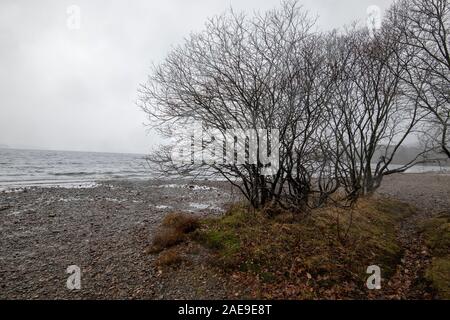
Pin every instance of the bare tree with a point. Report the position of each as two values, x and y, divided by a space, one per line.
423 27
240 73
369 114
286 114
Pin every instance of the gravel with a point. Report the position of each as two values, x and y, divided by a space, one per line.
106 231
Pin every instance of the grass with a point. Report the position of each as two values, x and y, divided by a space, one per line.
173 230
180 222
168 258
436 232
439 274
277 256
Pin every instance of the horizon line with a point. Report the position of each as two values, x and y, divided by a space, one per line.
3 146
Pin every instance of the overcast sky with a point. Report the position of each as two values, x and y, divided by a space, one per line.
75 89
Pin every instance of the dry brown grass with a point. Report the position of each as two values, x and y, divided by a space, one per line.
166 238
168 258
173 230
181 222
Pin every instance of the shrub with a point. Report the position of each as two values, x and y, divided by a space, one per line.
181 222
166 238
173 230
168 258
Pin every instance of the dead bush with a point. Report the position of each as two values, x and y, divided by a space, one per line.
166 238
173 229
168 258
181 222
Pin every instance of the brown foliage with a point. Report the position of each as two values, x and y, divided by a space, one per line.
181 222
173 230
276 255
169 257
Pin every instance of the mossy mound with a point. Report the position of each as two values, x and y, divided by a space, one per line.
436 232
323 255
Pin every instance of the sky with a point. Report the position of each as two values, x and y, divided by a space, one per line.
69 78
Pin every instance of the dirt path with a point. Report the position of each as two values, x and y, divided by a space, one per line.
430 196
408 281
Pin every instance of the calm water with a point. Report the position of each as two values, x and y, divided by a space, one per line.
39 167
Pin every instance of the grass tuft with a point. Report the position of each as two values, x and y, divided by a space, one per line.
173 230
168 258
181 222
